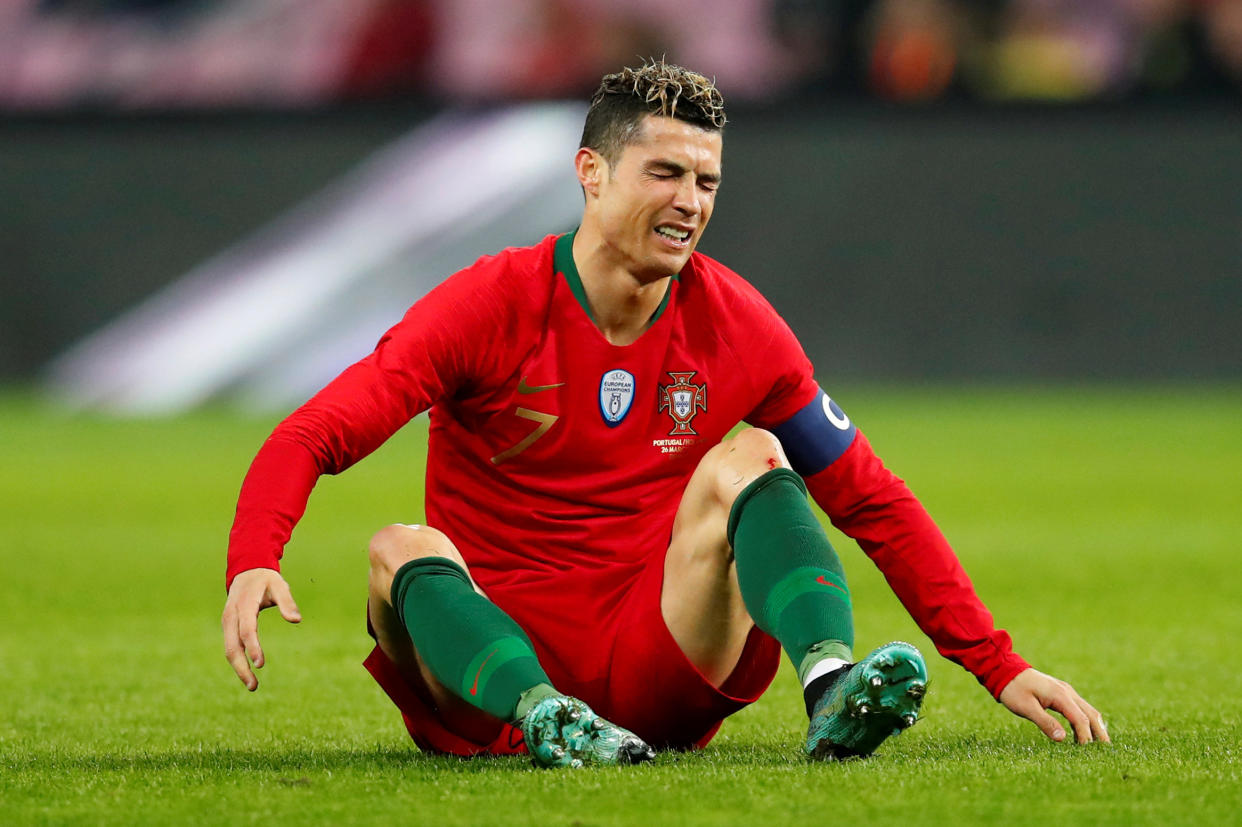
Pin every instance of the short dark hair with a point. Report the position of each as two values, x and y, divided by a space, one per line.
623 99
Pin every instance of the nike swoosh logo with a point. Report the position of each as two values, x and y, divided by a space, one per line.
821 579
525 388
474 688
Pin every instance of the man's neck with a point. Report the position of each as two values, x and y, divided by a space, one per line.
622 303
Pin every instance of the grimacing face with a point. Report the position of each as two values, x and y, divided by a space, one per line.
655 202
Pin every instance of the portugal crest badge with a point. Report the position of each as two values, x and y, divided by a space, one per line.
683 400
616 394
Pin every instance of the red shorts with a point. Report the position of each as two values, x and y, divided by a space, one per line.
652 689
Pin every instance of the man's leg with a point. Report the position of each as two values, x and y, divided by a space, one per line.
390 549
746 549
429 616
728 569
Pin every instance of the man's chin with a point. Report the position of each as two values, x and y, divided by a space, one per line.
670 263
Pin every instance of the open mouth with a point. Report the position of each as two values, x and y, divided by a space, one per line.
675 235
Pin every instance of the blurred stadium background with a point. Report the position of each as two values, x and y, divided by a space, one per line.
206 198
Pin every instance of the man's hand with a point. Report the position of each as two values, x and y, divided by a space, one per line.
1033 692
251 592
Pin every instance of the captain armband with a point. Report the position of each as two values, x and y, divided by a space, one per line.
816 436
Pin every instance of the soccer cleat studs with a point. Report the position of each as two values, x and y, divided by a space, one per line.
878 697
561 731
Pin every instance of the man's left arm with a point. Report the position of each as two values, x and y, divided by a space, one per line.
869 503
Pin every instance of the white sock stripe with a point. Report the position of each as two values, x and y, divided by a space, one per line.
823 668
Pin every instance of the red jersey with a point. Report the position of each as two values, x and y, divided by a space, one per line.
557 460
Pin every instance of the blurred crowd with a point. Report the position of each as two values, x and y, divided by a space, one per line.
173 53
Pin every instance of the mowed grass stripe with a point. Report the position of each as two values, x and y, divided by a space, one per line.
1100 524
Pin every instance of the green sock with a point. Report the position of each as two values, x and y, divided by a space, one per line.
792 581
468 643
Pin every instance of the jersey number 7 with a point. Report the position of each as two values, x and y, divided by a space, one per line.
544 421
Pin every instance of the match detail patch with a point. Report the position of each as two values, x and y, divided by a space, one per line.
816 436
616 395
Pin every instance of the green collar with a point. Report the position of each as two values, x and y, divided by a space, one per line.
563 262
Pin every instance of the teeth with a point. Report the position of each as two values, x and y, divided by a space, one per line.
673 232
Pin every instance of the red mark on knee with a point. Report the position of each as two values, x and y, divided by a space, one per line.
772 463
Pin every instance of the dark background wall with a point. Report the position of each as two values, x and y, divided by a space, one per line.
1030 244
1045 243
96 213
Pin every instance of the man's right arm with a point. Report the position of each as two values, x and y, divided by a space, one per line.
439 344
273 499
340 425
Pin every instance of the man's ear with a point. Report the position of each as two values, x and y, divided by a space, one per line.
591 168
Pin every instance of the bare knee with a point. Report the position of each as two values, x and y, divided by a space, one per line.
743 459
395 545
756 444
699 530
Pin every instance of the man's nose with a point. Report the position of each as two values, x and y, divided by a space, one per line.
687 198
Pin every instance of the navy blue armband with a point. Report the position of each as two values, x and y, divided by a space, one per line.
816 436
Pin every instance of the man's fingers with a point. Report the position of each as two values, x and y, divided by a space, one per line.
234 652
242 667
284 602
248 626
1097 721
1087 722
1048 724
1030 706
1032 693
1066 703
1097 724
250 593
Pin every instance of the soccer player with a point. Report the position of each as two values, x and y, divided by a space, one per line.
603 569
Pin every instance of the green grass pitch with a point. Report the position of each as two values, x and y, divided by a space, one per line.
1103 527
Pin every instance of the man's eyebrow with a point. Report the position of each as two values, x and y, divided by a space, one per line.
668 166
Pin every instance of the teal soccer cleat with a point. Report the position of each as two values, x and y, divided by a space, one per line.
561 731
879 696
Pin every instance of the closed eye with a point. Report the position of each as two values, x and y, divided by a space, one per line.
666 171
